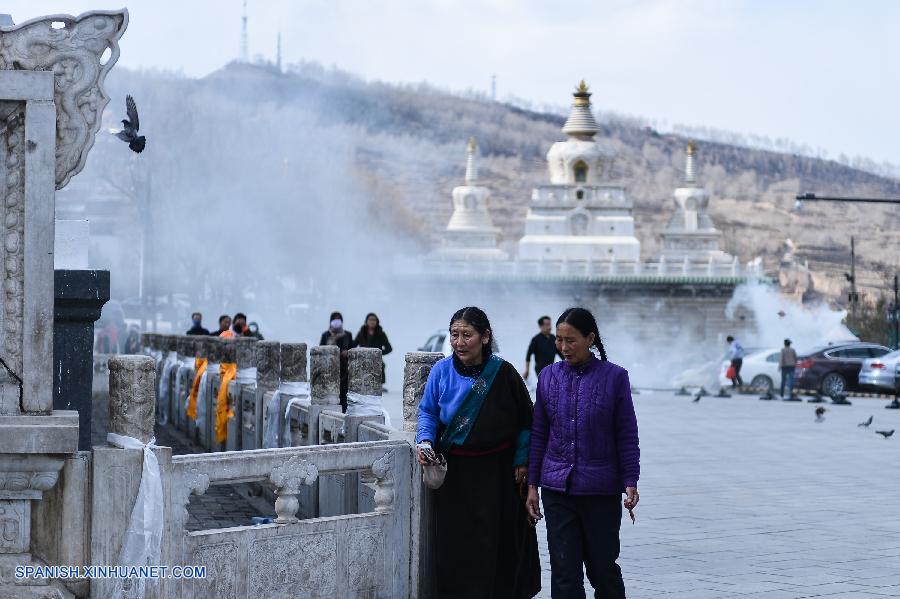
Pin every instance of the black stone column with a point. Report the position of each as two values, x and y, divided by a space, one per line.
78 297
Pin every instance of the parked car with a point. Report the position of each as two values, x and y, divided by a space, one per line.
759 369
438 342
880 372
834 369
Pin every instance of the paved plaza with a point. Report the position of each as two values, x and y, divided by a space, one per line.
749 498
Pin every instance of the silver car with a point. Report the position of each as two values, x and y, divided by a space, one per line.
881 372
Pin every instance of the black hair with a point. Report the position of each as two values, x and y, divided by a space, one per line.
542 319
335 316
787 342
729 338
364 329
239 315
223 317
586 324
479 321
196 314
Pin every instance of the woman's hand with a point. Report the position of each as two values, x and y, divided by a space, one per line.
521 474
533 504
631 498
419 454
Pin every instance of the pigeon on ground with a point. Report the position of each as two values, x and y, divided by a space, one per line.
866 423
886 434
820 414
697 397
131 125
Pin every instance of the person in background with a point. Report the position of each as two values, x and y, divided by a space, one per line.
477 413
542 347
584 455
224 325
372 335
238 326
787 362
133 340
253 331
336 335
736 355
197 325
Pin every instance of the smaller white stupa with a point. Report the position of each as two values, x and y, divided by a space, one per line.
691 236
471 234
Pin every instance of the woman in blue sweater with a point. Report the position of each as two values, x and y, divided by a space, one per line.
477 412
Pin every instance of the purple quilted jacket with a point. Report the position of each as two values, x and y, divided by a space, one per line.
584 437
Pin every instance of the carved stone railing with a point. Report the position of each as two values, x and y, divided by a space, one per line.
364 554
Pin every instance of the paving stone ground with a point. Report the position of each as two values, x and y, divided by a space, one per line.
221 506
749 498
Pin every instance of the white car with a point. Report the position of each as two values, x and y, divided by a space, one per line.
759 369
438 342
881 372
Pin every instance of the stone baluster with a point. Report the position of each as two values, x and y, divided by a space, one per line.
241 389
288 479
268 369
185 349
293 370
215 348
131 397
325 385
415 375
200 352
364 370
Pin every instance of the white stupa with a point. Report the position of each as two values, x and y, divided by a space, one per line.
578 216
691 235
470 234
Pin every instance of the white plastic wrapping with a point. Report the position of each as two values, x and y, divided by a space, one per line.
366 405
302 398
246 376
141 544
202 392
271 430
163 392
183 384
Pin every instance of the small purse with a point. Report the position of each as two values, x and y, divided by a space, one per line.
435 471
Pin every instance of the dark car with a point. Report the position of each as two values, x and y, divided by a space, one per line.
834 369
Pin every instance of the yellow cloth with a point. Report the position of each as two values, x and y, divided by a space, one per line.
227 372
199 368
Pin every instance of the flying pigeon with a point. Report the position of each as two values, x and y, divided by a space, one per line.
820 414
866 423
886 434
131 125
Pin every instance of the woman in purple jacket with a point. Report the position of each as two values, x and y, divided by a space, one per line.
584 455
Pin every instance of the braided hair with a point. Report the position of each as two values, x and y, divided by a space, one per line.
479 321
585 322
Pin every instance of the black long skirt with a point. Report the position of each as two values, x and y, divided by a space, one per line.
486 549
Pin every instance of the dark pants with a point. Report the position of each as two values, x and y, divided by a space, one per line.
787 377
737 381
583 529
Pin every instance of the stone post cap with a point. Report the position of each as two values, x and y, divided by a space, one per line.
184 345
268 364
293 362
245 352
214 349
423 357
324 350
132 396
364 369
199 346
229 351
170 342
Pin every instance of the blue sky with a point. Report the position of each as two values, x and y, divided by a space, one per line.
820 73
